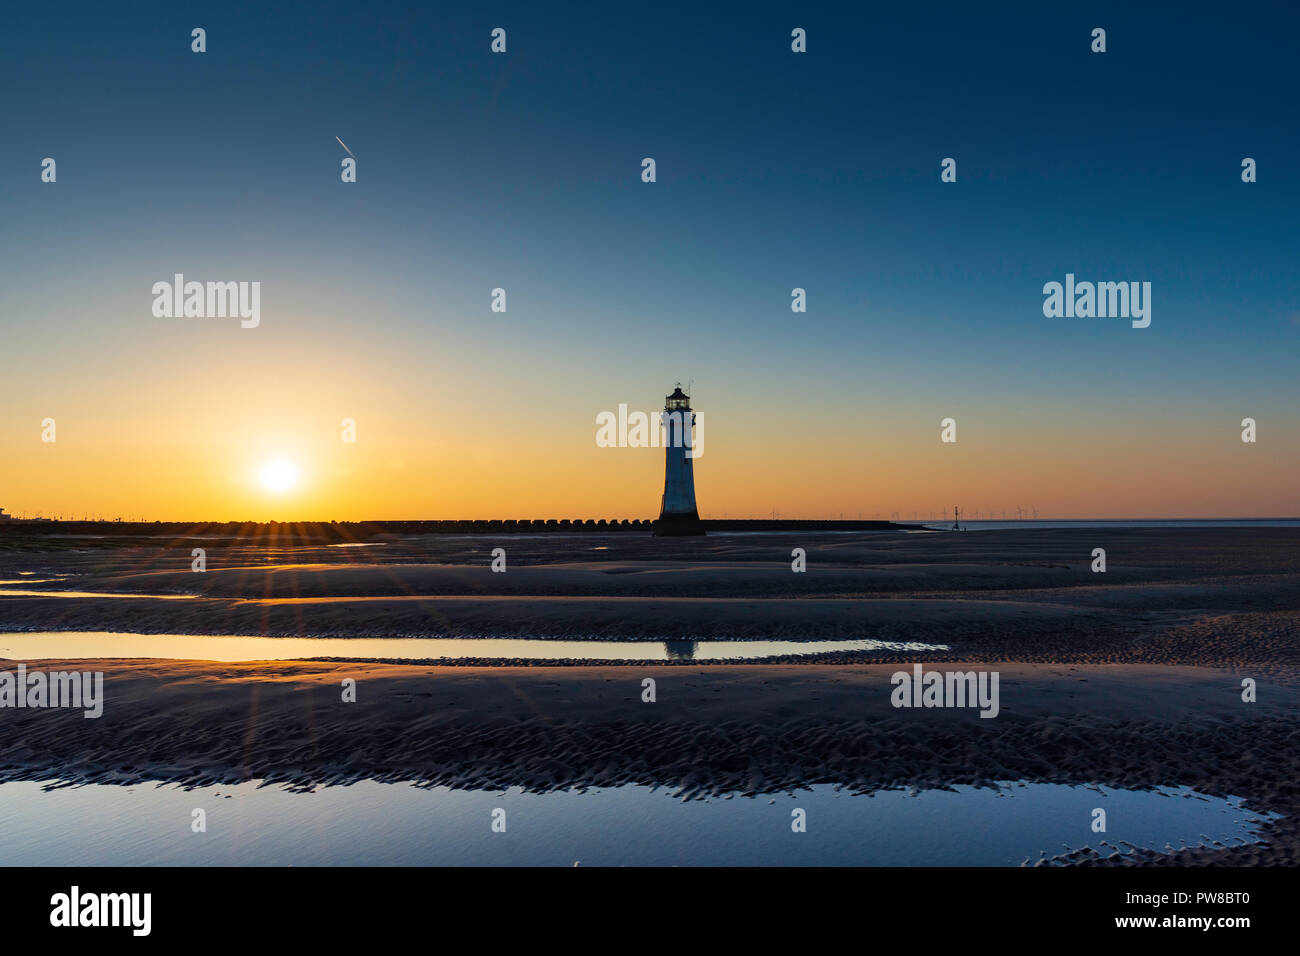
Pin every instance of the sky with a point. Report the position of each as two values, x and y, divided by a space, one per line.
775 170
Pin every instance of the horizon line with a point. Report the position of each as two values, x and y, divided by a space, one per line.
778 518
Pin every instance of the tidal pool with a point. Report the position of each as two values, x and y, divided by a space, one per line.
20 645
370 823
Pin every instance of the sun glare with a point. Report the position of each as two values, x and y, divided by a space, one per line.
279 476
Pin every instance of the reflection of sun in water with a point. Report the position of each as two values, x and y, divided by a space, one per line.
279 476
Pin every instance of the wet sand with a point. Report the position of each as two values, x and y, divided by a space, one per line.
1130 678
716 729
1013 595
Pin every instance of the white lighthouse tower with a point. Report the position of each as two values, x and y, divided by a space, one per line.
678 514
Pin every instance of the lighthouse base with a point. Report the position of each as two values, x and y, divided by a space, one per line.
679 525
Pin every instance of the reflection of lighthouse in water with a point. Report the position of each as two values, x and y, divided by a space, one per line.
678 514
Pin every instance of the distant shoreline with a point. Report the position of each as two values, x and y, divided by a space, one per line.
344 531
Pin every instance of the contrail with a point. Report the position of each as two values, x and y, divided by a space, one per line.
345 146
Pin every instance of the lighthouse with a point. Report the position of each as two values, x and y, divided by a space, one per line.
677 513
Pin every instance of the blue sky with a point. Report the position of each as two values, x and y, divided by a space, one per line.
775 170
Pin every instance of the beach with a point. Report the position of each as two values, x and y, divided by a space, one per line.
1132 678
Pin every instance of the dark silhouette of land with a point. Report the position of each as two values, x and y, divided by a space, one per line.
331 532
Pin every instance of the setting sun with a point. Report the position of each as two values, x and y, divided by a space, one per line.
279 476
